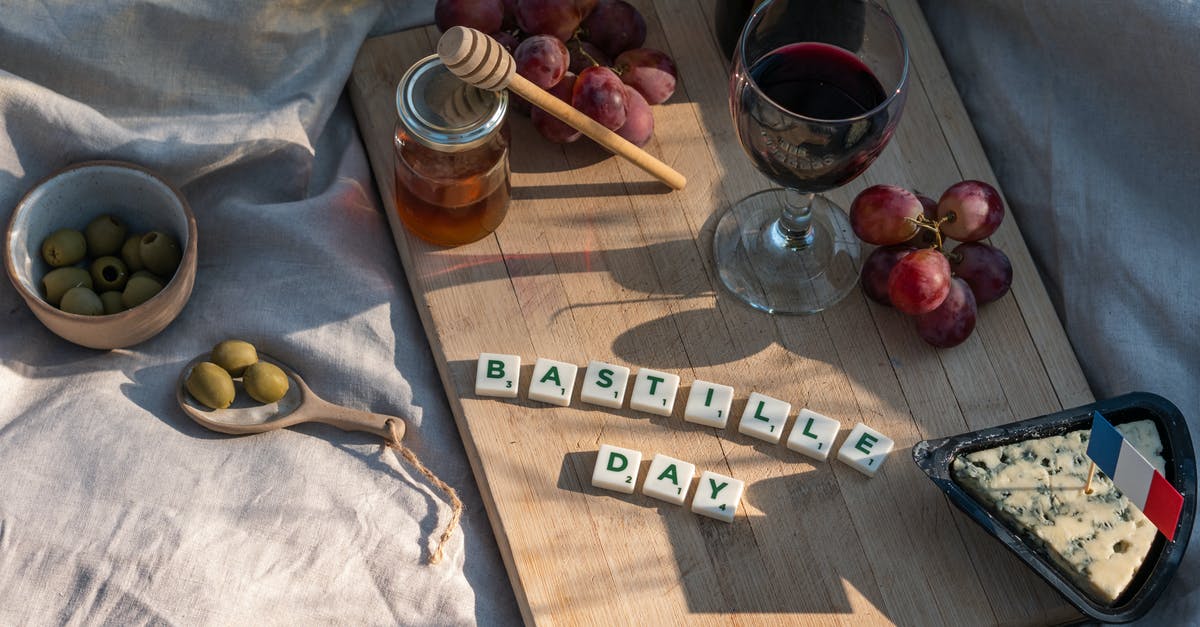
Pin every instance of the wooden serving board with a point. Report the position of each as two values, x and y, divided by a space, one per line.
597 261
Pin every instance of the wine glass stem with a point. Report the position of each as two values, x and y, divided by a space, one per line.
795 224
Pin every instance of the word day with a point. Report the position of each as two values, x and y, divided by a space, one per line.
605 385
667 479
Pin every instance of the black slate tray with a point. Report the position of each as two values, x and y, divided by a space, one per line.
935 457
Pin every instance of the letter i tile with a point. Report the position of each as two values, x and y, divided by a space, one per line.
497 375
552 382
717 496
616 468
669 479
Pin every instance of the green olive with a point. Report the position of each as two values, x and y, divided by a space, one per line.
64 247
104 236
149 275
131 253
138 290
112 302
209 384
58 281
234 356
160 253
82 301
265 382
109 273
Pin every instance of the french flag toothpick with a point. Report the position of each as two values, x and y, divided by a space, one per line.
1136 477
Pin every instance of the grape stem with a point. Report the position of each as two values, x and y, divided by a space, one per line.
589 57
935 226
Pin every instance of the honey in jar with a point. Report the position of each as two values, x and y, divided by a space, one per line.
451 156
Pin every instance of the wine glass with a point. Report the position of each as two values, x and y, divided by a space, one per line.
816 91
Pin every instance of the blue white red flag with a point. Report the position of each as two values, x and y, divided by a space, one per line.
1136 477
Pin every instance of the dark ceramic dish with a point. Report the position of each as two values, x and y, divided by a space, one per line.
936 456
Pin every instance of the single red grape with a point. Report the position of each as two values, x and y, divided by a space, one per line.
600 95
985 268
482 15
975 210
639 119
881 215
919 282
551 127
559 18
615 26
542 59
878 267
510 15
953 321
650 71
584 55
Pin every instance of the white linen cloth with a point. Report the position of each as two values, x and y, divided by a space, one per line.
114 507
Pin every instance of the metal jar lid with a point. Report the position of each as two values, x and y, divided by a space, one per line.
442 112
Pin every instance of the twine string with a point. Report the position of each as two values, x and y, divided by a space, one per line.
455 503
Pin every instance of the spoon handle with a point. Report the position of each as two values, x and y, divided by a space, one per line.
347 419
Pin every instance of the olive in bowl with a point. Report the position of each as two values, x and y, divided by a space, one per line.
75 197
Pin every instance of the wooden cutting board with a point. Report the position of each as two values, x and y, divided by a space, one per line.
597 261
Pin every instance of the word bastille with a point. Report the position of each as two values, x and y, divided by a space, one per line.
605 385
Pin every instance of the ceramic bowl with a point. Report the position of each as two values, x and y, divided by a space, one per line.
73 197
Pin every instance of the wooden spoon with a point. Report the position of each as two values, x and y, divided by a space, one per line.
299 405
484 63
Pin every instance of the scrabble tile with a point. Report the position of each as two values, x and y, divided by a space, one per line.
708 404
865 449
497 375
669 479
552 382
654 392
616 468
764 417
813 434
604 384
717 496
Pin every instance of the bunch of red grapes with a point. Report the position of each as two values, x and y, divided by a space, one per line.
586 52
912 271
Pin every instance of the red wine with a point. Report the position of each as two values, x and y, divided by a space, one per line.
818 81
814 122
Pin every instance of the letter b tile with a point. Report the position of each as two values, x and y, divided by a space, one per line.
497 375
616 468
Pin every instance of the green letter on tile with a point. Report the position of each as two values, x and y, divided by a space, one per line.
808 426
605 377
654 381
612 462
758 412
866 442
716 489
495 369
551 375
670 473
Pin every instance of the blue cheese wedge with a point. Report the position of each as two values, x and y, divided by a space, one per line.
1100 539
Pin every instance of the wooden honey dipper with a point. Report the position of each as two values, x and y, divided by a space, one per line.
483 62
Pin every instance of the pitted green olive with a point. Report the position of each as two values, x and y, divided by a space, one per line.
58 281
82 301
234 356
138 290
109 273
209 384
104 236
131 253
64 247
160 253
112 302
265 382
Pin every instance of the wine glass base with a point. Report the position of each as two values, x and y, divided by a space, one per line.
782 275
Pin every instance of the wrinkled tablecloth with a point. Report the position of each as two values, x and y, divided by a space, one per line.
116 509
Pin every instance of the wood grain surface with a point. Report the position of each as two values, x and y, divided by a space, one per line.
596 260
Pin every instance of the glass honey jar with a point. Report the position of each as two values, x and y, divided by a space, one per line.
451 156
